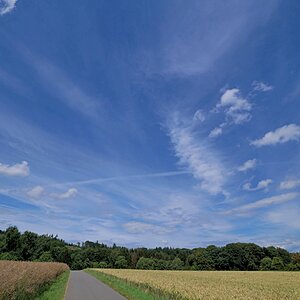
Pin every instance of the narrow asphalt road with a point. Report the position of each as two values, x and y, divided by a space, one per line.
83 286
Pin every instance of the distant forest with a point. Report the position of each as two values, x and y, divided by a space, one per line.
30 246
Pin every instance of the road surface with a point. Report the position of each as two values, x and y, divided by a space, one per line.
83 286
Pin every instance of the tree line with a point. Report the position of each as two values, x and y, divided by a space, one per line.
30 246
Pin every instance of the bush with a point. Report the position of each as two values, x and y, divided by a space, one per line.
46 257
145 263
9 256
277 264
291 267
265 264
121 262
101 264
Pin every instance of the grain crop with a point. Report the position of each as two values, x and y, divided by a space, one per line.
24 279
221 285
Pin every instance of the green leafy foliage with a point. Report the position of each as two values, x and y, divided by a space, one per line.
266 264
235 256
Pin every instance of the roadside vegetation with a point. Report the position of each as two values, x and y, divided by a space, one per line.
27 280
29 246
57 289
127 289
190 285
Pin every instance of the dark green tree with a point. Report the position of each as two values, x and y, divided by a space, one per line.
121 262
145 263
277 264
266 264
176 264
12 239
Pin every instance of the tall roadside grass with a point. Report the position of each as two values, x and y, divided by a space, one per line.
129 290
26 280
57 289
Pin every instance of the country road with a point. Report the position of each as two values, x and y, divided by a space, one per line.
83 286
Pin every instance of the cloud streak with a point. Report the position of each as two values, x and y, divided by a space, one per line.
142 228
261 86
197 158
248 165
263 203
289 184
7 6
215 132
120 178
72 192
69 92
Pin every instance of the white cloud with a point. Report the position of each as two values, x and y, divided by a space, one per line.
36 192
68 194
195 155
233 99
21 169
261 86
249 164
142 228
215 132
263 203
288 216
199 116
60 84
7 6
289 184
236 107
204 36
263 184
279 136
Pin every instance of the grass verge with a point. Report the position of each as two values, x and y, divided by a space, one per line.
56 291
129 290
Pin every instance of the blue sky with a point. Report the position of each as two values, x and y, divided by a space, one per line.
151 123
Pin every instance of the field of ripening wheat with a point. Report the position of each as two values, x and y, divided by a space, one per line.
24 279
215 284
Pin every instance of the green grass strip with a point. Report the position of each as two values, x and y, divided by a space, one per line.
56 291
129 290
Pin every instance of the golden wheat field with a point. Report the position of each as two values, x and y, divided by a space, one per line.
216 284
26 278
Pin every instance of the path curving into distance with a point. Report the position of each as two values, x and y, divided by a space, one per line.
83 286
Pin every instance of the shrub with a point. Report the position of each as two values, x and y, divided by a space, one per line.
265 264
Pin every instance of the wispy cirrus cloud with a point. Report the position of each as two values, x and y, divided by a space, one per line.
196 156
215 132
289 184
247 165
122 178
21 169
244 209
281 135
66 90
204 35
142 228
262 185
7 6
285 216
199 116
261 86
68 194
